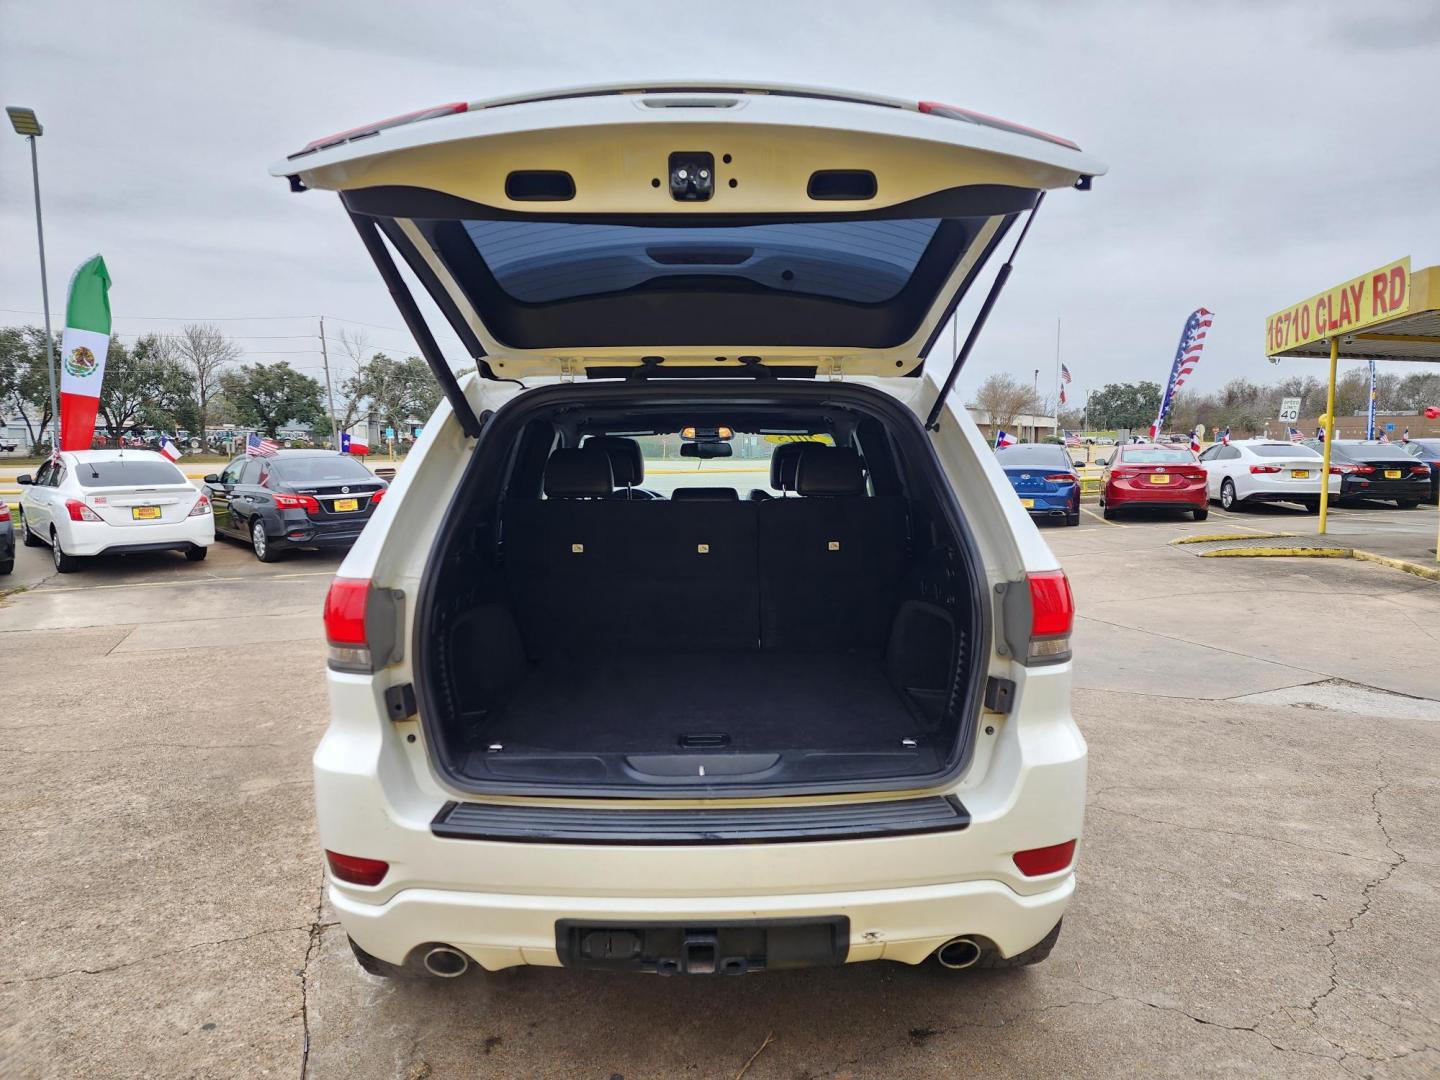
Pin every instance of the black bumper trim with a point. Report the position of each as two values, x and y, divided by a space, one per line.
745 825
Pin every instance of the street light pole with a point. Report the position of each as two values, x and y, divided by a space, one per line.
25 123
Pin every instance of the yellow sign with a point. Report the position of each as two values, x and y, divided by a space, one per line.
1360 302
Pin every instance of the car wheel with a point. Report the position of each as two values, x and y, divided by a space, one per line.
196 554
1312 508
1228 500
1407 504
64 563
261 543
31 540
1107 513
7 566
992 959
1201 513
1072 519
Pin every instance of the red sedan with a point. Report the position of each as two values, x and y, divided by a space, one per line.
1148 475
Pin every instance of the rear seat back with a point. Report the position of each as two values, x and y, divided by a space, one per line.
830 561
818 572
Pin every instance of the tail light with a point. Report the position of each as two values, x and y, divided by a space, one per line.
201 507
1342 470
80 512
1420 470
375 499
4 510
1364 468
359 871
362 625
1259 469
1060 478
1045 860
1190 472
1052 614
1124 472
308 503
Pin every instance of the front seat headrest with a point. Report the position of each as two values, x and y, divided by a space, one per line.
701 494
783 462
574 474
830 470
627 460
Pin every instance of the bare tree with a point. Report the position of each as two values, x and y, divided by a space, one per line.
355 344
1004 398
205 352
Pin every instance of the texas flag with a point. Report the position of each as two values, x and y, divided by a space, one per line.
356 440
169 449
1195 441
1004 439
82 353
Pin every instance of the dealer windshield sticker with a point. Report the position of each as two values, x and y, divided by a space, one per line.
1363 301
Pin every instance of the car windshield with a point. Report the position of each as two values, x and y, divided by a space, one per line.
1287 450
320 469
1155 455
134 472
1033 457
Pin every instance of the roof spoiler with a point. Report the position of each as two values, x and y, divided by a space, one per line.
419 329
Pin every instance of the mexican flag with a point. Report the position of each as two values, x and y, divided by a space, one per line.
82 353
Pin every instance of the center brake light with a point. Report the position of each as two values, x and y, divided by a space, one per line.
1052 616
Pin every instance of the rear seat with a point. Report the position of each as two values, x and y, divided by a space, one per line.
830 562
589 570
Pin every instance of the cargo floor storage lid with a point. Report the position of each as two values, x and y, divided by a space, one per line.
711 227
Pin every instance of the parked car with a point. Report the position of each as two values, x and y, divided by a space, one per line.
1376 470
1044 477
1428 451
7 539
522 663
8 446
294 499
1264 471
1104 440
1143 474
109 502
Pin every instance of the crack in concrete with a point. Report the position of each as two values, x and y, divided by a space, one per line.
312 947
154 956
1093 805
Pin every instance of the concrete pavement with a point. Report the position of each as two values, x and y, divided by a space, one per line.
1259 881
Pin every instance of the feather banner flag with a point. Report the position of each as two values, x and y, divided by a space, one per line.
1187 355
82 353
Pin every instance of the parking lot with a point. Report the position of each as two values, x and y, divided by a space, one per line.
1258 883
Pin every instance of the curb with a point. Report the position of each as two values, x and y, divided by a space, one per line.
1429 573
1212 537
1281 552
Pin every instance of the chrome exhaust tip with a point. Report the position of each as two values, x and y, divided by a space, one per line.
958 953
446 962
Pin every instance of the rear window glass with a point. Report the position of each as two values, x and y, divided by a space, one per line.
1376 452
1154 455
133 473
861 261
1283 450
1019 457
320 469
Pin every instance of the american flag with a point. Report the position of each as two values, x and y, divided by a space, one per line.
1064 374
1071 439
1225 436
1187 355
255 446
1296 435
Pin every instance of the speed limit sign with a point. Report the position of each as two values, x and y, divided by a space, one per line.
1289 410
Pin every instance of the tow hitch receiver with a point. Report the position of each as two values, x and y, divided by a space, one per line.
724 948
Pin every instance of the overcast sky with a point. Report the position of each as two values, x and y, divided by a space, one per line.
1255 157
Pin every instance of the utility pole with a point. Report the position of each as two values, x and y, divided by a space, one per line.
329 391
24 122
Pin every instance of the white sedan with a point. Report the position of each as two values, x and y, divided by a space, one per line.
1262 471
102 502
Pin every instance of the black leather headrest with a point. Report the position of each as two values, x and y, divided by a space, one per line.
830 470
705 495
627 461
575 474
783 462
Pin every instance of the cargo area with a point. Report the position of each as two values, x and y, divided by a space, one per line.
813 631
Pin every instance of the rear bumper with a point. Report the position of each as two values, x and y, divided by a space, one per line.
302 531
1184 498
504 930
94 538
1405 490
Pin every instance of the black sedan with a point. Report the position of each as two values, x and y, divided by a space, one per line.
294 499
1427 451
1377 470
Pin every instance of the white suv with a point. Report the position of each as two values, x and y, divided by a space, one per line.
810 709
